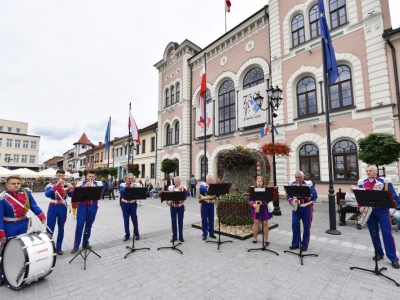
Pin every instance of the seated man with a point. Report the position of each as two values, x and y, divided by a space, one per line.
155 191
351 206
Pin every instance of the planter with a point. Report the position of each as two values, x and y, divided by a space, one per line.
233 209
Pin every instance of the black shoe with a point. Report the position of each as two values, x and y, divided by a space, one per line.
378 257
359 226
125 239
137 237
213 236
266 244
254 241
395 264
342 223
304 249
293 247
73 251
181 240
59 252
1 281
204 238
172 240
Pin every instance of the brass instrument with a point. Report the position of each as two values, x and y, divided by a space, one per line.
296 203
364 217
174 189
209 197
258 205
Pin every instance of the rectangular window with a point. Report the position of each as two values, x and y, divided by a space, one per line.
7 158
1 142
1 128
126 150
143 146
9 143
101 156
16 158
18 130
24 159
31 159
17 143
142 172
152 170
25 144
33 145
9 129
153 144
137 149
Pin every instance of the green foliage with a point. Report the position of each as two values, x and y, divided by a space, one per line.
169 165
113 172
80 173
235 157
379 149
262 160
233 209
85 172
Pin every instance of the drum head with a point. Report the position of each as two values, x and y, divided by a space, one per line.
13 262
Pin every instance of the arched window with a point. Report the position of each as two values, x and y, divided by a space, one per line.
340 91
178 91
204 168
167 101
226 108
306 97
298 30
253 77
172 95
345 160
169 135
177 133
337 10
314 23
309 160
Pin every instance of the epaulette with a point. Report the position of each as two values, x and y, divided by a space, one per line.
48 186
28 190
3 195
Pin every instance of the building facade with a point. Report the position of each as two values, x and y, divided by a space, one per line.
280 46
18 149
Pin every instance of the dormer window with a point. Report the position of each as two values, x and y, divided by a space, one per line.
83 146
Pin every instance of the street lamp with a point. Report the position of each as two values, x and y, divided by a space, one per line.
273 103
8 160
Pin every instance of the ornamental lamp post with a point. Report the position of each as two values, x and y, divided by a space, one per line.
273 103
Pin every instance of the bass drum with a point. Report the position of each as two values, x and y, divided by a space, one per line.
27 258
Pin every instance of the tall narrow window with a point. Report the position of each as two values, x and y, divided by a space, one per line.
337 10
178 91
172 95
17 143
341 91
33 145
167 100
143 171
204 168
152 170
169 135
153 144
253 77
177 133
144 146
314 23
226 108
345 160
25 144
306 97
298 30
9 143
309 160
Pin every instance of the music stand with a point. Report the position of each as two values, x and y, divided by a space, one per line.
219 189
173 196
85 194
375 199
135 194
298 191
263 195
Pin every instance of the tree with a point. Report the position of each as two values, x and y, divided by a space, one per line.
169 165
379 149
113 172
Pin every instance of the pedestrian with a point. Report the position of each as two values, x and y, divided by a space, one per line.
193 184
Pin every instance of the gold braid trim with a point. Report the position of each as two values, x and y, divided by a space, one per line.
27 203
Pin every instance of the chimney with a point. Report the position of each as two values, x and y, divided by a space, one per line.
100 143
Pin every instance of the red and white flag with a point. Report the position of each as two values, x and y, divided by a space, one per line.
134 129
203 90
228 5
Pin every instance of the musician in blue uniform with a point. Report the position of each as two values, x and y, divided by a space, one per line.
380 217
177 210
304 212
129 208
207 209
81 217
14 204
57 212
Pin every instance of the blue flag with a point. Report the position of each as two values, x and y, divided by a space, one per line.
330 59
107 137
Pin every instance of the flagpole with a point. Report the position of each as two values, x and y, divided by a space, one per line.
331 195
129 139
109 133
205 124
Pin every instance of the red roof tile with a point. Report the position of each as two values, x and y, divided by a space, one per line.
84 140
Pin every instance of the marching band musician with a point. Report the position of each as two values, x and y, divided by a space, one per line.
81 217
129 208
177 210
263 214
57 212
207 209
14 204
380 216
304 212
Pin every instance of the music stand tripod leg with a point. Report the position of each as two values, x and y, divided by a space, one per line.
133 249
263 248
219 236
173 247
